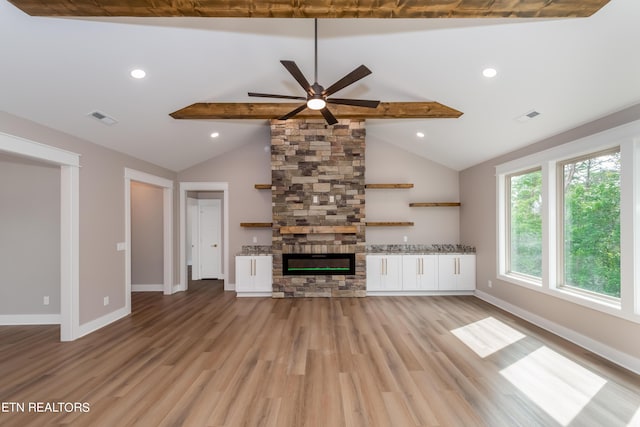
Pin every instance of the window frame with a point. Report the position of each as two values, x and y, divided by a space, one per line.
627 138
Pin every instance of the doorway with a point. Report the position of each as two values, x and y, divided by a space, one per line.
167 228
69 164
190 195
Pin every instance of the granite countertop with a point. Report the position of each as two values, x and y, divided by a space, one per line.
421 249
382 249
255 250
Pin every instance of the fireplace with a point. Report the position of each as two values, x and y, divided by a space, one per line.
318 264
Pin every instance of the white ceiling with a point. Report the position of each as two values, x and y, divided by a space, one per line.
55 71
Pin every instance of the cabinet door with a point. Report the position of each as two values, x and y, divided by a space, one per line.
419 272
244 273
428 273
375 266
466 280
262 270
392 277
447 272
410 272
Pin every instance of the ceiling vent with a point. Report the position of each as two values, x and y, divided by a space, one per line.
103 118
528 116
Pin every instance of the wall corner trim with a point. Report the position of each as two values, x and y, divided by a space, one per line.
616 356
100 322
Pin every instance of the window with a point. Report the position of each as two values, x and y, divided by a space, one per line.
589 223
568 221
524 230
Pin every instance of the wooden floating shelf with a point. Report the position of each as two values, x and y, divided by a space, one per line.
387 186
388 224
262 186
256 224
433 204
319 229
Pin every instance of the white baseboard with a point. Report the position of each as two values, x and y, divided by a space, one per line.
100 322
253 294
29 319
147 288
416 293
229 286
616 356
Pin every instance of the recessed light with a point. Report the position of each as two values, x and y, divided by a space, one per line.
214 134
138 73
489 73
420 134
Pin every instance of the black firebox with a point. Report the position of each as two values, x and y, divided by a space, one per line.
318 264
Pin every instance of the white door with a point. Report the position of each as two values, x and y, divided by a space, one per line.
210 241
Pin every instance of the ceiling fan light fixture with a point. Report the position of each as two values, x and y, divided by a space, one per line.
316 103
489 72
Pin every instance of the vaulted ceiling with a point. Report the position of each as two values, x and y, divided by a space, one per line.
571 69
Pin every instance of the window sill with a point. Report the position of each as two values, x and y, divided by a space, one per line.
593 302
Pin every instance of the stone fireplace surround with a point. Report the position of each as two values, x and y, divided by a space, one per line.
318 202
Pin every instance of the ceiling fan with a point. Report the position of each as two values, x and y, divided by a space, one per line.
317 96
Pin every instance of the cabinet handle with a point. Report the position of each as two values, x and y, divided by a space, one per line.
385 266
253 267
458 266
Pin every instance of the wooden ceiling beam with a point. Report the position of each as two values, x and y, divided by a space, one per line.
272 110
315 8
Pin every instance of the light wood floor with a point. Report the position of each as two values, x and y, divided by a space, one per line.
206 358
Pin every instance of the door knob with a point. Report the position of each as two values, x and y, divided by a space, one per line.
214 246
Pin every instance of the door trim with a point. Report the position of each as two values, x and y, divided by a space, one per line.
69 224
203 186
167 228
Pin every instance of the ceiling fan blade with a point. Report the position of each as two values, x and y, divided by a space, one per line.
350 78
268 95
293 113
355 102
297 74
328 116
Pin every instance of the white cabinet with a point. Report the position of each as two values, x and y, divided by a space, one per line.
384 272
419 272
410 274
456 272
254 275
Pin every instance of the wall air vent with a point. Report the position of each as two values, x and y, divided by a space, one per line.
103 118
528 116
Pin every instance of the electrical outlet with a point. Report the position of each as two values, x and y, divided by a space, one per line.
315 199
106 301
489 283
405 239
255 239
332 199
121 246
45 300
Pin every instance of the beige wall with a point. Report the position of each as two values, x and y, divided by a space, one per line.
432 182
478 226
29 236
250 164
147 254
243 167
102 269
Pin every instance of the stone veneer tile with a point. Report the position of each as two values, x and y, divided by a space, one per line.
310 158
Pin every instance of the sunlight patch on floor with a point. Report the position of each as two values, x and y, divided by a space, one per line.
556 384
487 336
635 420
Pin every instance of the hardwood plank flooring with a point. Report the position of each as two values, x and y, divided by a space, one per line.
206 358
